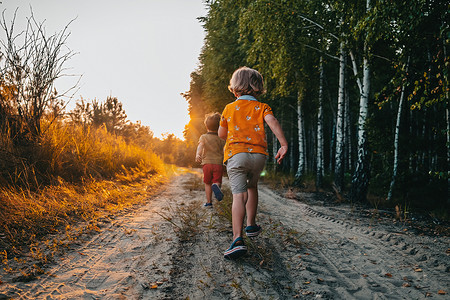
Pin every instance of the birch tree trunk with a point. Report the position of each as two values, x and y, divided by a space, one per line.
320 162
396 137
360 180
338 170
347 135
301 143
291 152
333 128
361 176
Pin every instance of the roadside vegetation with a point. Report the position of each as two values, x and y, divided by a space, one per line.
64 172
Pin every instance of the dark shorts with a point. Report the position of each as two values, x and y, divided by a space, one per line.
212 173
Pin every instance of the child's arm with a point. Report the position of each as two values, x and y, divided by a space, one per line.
198 155
222 132
278 131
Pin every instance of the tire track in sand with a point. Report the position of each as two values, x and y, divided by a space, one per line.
304 251
356 261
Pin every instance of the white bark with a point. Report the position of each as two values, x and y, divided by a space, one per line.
396 137
320 162
338 171
301 138
347 134
360 181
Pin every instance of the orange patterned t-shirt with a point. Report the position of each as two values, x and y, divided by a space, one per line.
244 120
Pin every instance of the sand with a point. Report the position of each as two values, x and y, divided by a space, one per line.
172 248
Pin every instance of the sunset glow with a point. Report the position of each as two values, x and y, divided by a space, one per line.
135 53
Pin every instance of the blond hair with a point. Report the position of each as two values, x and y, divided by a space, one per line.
212 121
246 81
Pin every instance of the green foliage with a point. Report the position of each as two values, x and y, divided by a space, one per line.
109 114
173 151
406 44
222 52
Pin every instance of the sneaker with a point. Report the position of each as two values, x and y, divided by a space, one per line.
236 250
207 204
252 231
217 191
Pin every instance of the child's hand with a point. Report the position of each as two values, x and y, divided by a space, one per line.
281 154
198 158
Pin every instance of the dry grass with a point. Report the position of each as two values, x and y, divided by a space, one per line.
73 152
185 219
26 216
93 174
40 225
223 208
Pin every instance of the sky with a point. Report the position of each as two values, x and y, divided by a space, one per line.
140 51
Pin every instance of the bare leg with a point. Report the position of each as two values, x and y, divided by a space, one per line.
238 213
208 192
252 206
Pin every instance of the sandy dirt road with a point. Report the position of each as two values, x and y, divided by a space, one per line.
172 248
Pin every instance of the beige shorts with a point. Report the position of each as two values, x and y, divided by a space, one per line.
244 169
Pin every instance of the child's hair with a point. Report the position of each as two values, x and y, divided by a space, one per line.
246 81
212 121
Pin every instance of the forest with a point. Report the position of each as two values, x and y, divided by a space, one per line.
361 91
360 88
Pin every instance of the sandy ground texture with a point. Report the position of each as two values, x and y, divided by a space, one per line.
172 248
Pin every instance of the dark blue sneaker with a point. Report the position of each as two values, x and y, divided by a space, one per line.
207 204
252 231
236 250
217 191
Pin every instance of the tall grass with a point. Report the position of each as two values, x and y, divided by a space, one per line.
78 174
74 152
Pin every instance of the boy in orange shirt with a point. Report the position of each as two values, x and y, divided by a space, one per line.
210 155
245 153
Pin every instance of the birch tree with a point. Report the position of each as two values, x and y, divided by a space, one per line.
397 135
338 171
320 160
348 134
360 180
301 141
